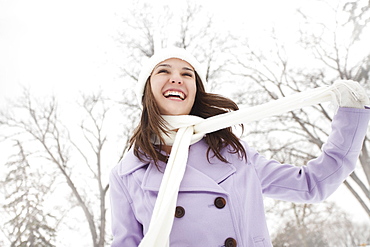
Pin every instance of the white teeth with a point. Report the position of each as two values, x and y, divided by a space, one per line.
174 94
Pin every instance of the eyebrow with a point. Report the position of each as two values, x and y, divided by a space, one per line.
168 65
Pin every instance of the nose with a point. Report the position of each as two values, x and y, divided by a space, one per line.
176 79
178 82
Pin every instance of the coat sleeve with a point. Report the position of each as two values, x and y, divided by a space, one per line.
320 177
126 230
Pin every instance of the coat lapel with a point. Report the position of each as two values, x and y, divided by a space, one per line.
200 175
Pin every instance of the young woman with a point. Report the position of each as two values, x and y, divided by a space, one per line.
220 198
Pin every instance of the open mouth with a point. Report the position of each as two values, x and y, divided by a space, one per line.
174 94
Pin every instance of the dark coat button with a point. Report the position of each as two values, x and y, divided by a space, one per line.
180 212
230 242
220 202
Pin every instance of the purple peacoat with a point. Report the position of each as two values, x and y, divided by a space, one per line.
221 204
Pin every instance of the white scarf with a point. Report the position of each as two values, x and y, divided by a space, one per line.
191 129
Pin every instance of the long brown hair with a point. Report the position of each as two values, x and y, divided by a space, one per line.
205 105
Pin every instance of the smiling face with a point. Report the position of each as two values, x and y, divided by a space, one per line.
173 86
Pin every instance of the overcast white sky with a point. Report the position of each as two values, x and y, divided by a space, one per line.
67 46
59 46
64 47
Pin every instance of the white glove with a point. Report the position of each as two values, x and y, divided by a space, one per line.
348 93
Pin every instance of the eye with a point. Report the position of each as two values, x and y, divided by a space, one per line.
162 71
187 74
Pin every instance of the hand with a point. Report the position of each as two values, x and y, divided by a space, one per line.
348 93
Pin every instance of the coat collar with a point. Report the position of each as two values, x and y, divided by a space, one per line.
200 175
194 179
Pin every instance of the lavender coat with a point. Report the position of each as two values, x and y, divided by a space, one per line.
239 187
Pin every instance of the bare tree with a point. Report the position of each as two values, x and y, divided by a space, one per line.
193 29
26 220
359 17
316 225
37 127
335 56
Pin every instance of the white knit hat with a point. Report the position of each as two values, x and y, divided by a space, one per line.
160 56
